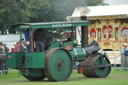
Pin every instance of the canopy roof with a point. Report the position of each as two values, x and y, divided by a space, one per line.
115 11
50 24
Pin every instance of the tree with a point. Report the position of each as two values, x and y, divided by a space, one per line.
9 13
20 11
35 10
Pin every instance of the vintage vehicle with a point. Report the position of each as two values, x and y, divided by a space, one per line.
47 57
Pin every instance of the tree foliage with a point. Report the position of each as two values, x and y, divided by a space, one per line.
21 11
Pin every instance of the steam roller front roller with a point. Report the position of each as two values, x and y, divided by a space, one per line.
96 66
33 74
58 64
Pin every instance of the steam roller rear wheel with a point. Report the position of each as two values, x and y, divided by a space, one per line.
58 64
98 67
33 75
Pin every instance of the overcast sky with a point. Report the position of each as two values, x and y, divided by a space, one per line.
117 2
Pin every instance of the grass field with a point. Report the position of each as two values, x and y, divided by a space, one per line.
116 77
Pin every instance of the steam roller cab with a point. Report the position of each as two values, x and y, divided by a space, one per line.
49 56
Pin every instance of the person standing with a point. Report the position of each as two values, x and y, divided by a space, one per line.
27 40
23 46
5 50
12 50
124 57
1 58
16 47
39 41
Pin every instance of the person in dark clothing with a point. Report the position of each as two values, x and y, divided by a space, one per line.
6 49
41 39
23 46
1 58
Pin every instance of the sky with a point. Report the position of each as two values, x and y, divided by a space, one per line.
117 2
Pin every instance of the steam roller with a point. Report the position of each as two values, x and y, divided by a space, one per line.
53 58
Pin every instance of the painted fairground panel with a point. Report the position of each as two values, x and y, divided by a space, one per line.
110 34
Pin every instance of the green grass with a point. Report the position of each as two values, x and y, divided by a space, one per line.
116 77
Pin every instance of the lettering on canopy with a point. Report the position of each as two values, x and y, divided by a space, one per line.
61 25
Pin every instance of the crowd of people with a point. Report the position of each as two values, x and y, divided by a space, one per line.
19 47
3 50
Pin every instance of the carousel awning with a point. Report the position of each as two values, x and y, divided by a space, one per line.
101 12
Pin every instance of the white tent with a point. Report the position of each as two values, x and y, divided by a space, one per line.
101 12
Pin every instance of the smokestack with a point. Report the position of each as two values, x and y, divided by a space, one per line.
84 32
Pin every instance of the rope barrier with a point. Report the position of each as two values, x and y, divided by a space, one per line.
114 57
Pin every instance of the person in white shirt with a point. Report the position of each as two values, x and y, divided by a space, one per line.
124 56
